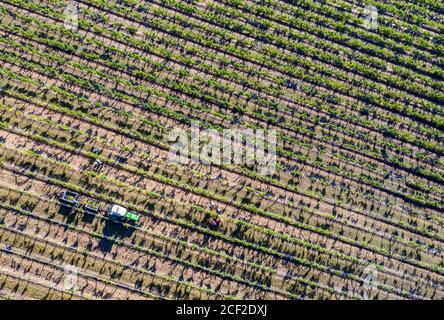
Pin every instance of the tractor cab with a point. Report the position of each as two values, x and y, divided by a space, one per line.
117 212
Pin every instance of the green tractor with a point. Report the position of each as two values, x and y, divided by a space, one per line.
121 214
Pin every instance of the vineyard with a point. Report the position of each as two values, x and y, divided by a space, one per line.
91 89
